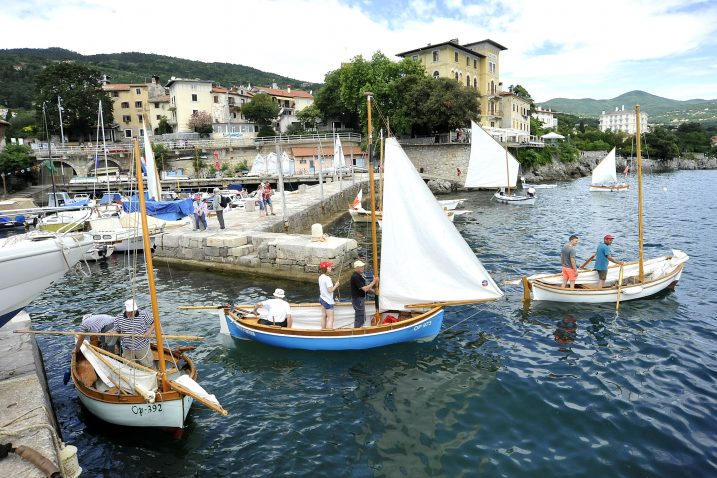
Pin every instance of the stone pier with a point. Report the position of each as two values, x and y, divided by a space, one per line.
273 246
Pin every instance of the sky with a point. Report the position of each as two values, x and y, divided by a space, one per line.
555 48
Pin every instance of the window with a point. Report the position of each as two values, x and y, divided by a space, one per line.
216 99
456 76
468 81
128 133
137 104
115 94
141 132
195 112
159 117
491 66
456 56
468 61
156 105
435 55
231 101
475 63
436 74
138 91
139 118
414 57
475 83
126 118
194 97
125 104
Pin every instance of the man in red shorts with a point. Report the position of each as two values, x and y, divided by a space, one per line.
567 259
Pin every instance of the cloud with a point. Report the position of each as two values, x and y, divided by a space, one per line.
558 48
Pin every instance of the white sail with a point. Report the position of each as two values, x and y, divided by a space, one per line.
423 257
153 187
604 173
113 372
487 164
258 167
339 160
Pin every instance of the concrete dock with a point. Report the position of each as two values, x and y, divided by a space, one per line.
274 246
26 416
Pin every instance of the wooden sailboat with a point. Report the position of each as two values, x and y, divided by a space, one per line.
604 176
425 266
631 281
125 393
492 166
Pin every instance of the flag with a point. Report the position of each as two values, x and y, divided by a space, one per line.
216 160
50 166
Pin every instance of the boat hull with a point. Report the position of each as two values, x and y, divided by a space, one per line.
422 328
539 186
611 188
163 414
515 200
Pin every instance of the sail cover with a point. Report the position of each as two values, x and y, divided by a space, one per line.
423 256
268 165
605 172
487 164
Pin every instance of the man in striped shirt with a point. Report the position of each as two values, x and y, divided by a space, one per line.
139 323
98 323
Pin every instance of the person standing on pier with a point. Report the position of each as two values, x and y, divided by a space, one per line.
326 295
567 259
266 193
359 288
139 324
200 213
217 207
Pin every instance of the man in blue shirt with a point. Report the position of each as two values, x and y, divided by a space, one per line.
603 257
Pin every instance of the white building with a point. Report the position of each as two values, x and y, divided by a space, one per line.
623 120
546 117
227 117
187 96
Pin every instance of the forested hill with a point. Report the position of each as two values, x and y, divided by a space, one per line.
19 67
659 109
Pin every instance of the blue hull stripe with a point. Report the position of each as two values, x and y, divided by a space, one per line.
425 329
5 318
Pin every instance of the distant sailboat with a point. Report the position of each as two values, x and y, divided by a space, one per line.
492 166
605 175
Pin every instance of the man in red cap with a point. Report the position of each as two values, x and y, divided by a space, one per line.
326 295
603 257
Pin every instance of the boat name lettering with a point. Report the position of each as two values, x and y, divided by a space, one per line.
423 325
250 332
151 408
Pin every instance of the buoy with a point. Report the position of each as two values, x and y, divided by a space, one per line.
317 232
70 465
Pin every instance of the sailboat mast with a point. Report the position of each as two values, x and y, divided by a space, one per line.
640 239
150 271
380 173
104 149
372 189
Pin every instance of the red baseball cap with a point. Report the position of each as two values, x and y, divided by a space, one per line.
325 265
608 236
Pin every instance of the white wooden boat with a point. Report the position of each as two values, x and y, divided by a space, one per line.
631 281
122 392
425 266
604 176
30 263
537 185
492 166
359 214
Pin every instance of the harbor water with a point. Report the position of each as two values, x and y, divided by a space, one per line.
505 390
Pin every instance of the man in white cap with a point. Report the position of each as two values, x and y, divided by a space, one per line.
278 311
359 287
140 324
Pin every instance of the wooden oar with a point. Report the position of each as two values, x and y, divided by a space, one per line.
104 334
201 307
619 290
181 389
587 262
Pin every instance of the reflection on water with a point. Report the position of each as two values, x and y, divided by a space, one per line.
554 390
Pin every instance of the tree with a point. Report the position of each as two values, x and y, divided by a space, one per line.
163 127
79 87
661 143
519 90
14 160
161 155
311 115
261 109
692 138
201 122
198 163
22 125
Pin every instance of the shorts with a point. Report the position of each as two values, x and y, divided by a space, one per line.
269 322
325 304
569 273
261 205
267 201
602 275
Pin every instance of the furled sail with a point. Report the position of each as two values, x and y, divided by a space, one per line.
153 186
339 160
486 167
423 257
605 172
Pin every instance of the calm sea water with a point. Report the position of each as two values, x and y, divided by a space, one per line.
504 390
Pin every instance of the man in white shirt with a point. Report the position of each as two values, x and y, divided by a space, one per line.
278 311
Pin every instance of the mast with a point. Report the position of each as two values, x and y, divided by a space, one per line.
50 166
372 188
507 166
321 172
104 149
150 271
640 240
280 162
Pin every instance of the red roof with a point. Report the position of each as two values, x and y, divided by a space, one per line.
287 93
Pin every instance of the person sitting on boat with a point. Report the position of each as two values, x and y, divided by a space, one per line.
326 295
567 260
603 256
531 192
140 324
359 288
502 191
98 323
278 310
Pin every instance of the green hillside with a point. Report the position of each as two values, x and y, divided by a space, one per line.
659 109
19 67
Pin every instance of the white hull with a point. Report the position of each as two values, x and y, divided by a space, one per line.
451 204
28 267
610 188
365 216
660 273
516 200
539 186
133 244
168 414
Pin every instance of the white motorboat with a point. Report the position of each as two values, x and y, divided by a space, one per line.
30 263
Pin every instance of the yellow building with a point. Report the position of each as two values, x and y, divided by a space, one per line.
186 97
129 107
516 112
475 65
